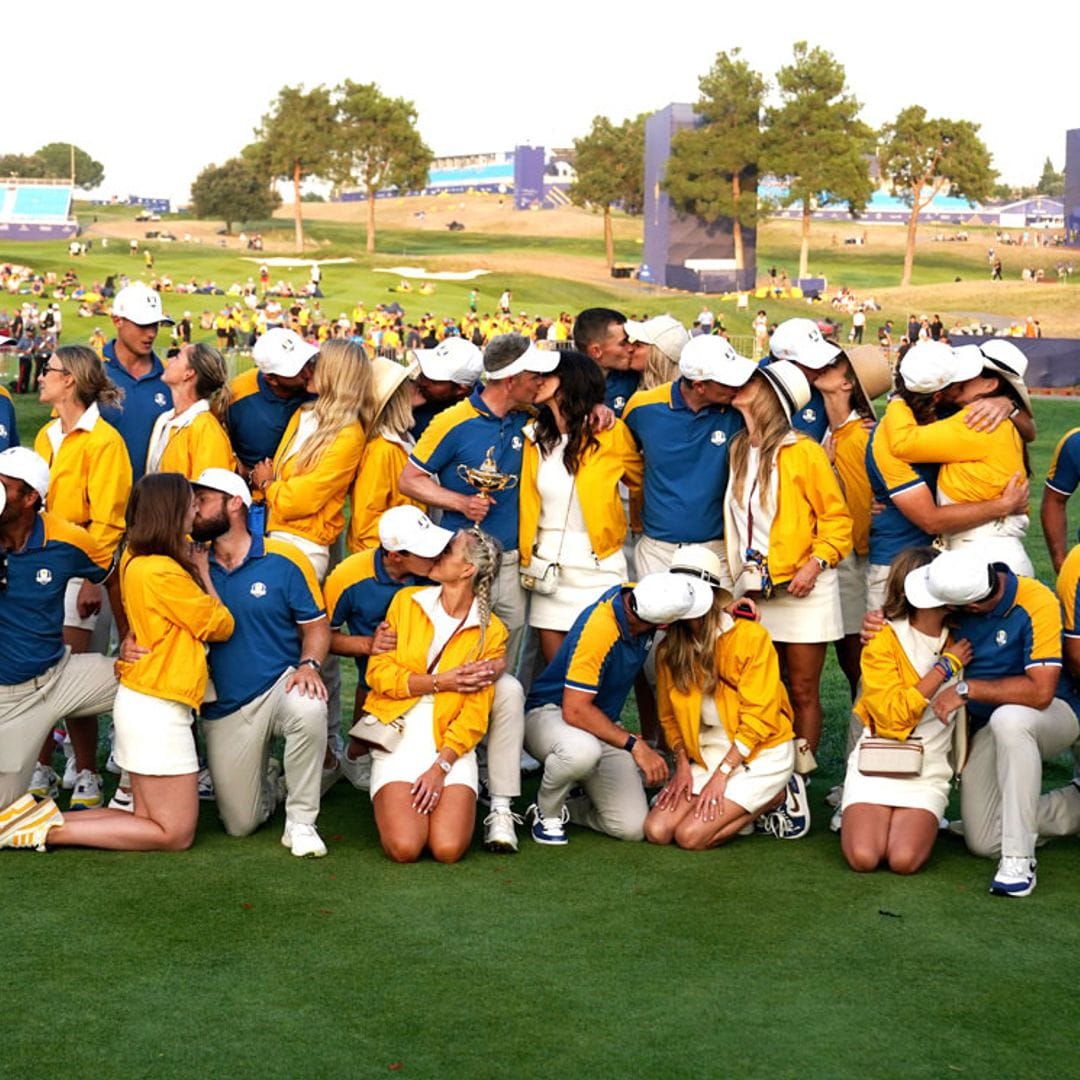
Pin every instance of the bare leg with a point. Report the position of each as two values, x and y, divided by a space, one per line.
550 640
911 839
661 823
804 664
864 835
646 705
403 831
451 828
166 813
697 834
848 654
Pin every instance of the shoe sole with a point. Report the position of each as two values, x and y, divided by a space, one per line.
561 842
1002 890
500 847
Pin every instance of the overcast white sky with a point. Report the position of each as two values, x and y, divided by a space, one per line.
156 92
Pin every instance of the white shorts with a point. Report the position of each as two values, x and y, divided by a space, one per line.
758 782
153 735
416 753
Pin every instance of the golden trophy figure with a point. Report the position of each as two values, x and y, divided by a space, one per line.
486 478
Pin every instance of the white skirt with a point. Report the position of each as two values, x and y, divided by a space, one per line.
583 579
416 753
753 785
153 735
927 791
808 619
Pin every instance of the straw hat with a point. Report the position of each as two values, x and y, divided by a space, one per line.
872 371
386 377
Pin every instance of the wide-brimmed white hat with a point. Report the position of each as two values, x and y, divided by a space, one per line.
789 383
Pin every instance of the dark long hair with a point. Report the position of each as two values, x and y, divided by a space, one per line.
155 519
581 389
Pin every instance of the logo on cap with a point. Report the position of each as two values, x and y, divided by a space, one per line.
1001 637
258 590
43 576
718 438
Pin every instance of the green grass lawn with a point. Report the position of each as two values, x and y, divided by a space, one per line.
765 959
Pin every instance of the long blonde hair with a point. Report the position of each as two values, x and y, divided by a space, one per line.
659 369
343 382
773 428
211 378
484 552
689 653
91 383
396 416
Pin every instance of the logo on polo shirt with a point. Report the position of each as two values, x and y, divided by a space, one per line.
1001 637
718 438
43 576
3 432
258 590
159 399
620 402
809 415
515 442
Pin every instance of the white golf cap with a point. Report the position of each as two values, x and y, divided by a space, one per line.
408 528
226 482
138 303
930 366
707 358
802 342
453 360
534 359
665 598
21 463
790 384
282 352
954 577
666 333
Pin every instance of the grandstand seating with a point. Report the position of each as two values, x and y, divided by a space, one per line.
36 210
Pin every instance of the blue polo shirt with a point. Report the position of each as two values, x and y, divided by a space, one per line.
1064 474
358 595
890 531
145 399
811 419
1021 631
620 387
258 417
269 594
32 605
686 463
9 429
463 433
599 656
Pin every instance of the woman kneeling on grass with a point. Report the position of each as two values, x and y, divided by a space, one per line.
727 718
889 818
439 680
173 609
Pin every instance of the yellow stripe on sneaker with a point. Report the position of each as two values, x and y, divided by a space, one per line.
16 810
31 829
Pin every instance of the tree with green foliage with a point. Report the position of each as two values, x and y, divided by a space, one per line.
610 167
57 159
816 140
713 168
377 145
923 157
22 166
1051 182
235 191
294 141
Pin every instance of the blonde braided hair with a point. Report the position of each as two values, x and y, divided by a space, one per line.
483 552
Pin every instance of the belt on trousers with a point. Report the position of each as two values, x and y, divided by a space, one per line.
36 683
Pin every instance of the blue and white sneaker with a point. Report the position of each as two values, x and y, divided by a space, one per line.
1015 876
551 831
791 819
206 785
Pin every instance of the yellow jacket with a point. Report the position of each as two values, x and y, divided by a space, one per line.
975 465
311 504
375 491
460 719
749 695
616 458
810 520
202 444
172 617
889 704
849 443
89 477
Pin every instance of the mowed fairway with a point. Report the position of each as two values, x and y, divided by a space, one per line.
767 959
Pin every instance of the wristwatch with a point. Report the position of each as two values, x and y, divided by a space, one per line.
631 741
444 765
311 662
962 689
726 768
823 563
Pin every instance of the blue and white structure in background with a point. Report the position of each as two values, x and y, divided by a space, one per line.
36 210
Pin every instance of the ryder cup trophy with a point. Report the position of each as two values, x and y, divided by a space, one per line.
487 478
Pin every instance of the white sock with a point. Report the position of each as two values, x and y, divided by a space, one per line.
500 802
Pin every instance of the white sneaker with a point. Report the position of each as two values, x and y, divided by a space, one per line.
86 794
70 771
499 833
206 785
550 831
1015 876
44 783
357 770
123 800
303 840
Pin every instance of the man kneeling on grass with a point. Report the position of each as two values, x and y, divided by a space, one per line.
572 713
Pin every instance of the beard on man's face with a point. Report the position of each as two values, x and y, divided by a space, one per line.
206 530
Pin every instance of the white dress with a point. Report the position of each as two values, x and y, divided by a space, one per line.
562 537
929 790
